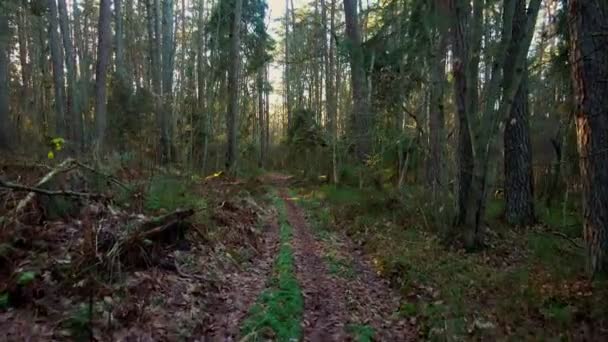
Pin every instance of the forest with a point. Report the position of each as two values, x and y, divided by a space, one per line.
303 170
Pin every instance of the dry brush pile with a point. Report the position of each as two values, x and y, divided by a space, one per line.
83 254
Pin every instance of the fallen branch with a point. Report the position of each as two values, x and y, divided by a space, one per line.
66 165
34 190
562 235
155 222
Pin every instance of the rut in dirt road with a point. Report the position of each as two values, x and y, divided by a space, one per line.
336 308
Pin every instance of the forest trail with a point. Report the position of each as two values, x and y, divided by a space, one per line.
343 297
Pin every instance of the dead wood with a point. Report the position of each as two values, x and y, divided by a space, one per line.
66 165
34 190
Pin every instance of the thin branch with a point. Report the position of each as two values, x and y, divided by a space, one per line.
67 193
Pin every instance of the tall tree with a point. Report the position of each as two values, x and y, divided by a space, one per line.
58 77
287 75
361 111
103 59
233 88
168 55
519 206
4 89
589 60
74 122
436 112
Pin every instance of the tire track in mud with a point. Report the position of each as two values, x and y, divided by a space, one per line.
336 308
241 288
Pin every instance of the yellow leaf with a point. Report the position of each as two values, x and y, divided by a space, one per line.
51 155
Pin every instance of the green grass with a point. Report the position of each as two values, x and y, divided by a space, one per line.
278 311
362 333
340 267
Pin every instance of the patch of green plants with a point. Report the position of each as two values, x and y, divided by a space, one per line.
4 303
278 311
361 332
339 267
79 322
170 193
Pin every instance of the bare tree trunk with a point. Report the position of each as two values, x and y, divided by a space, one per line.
233 88
330 91
519 209
260 115
26 68
4 89
73 122
120 44
103 59
436 114
362 123
168 56
287 66
58 78
589 60
464 147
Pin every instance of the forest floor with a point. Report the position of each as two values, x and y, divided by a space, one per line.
164 255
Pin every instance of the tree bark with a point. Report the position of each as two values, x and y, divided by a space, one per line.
4 89
287 67
519 206
330 91
436 112
233 88
464 147
58 77
74 120
168 56
589 60
362 120
103 58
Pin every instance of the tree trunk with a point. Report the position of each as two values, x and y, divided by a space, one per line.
362 120
120 44
589 60
26 68
464 147
74 120
103 59
287 67
519 208
58 78
167 79
330 91
436 113
233 89
82 90
4 89
260 115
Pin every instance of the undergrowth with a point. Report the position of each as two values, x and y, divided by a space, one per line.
278 311
527 283
170 193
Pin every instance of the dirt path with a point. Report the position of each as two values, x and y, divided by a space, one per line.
338 308
240 289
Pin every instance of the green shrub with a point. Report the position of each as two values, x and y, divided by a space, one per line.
170 193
